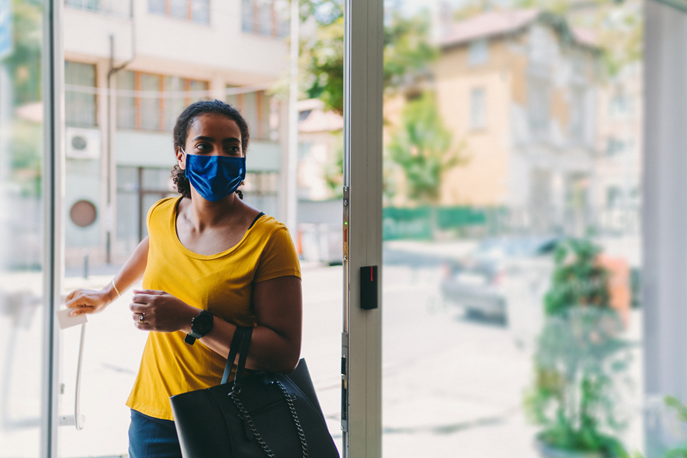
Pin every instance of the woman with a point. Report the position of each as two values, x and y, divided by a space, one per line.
210 263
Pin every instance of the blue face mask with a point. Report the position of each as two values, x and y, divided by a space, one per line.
215 177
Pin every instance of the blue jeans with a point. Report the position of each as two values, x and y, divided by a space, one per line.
152 437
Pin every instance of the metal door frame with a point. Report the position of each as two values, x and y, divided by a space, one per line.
362 226
53 225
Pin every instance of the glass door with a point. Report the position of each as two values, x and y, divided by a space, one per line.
28 392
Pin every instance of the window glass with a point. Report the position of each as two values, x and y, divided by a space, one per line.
517 247
247 16
174 105
538 104
249 109
478 52
197 89
126 102
156 179
178 8
201 11
157 6
266 10
478 109
149 102
80 101
23 227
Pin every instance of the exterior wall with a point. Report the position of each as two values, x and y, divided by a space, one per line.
536 152
482 180
168 45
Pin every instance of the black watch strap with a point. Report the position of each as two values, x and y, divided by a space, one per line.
200 326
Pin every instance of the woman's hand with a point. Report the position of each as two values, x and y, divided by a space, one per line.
161 312
88 301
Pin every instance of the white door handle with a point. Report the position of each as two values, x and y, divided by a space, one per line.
77 419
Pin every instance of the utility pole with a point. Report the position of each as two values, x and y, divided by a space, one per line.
291 168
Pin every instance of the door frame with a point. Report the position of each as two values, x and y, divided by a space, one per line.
362 226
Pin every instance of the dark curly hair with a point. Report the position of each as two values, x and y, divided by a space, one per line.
183 124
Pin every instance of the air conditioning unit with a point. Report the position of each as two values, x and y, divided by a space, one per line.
82 143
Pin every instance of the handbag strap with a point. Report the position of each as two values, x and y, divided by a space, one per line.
233 350
243 355
239 345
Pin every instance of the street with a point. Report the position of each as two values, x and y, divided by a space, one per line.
452 386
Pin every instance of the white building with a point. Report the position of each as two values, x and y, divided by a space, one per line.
156 57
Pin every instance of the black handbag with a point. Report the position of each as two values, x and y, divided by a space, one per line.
265 414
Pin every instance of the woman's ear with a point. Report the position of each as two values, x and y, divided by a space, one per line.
181 157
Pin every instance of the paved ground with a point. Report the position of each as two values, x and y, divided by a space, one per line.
456 393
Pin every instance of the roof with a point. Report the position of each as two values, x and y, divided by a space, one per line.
495 23
313 118
489 24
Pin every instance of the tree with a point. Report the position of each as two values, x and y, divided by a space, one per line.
408 52
423 148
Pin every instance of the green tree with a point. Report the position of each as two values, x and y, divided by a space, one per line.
408 52
423 148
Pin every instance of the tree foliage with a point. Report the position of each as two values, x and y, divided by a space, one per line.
580 359
423 148
408 52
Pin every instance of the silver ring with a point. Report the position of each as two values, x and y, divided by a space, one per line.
140 318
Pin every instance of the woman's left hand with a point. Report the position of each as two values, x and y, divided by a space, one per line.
159 311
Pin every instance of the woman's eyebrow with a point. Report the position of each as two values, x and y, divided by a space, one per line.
210 139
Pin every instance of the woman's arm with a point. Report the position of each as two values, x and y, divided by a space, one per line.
276 341
92 301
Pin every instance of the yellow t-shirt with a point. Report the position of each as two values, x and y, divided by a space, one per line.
221 284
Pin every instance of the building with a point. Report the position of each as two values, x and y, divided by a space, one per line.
520 89
131 68
619 161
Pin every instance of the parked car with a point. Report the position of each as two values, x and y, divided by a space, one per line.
499 271
321 243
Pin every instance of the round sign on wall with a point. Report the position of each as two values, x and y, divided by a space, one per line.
83 213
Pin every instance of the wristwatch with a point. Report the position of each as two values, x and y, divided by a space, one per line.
200 326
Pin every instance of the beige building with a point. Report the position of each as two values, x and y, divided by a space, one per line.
519 88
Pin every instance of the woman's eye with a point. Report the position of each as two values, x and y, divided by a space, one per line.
233 150
203 147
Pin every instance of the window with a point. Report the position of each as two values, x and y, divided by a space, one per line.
478 109
620 105
193 10
265 17
79 97
255 107
616 146
538 105
138 188
542 46
613 197
578 113
115 7
153 102
478 52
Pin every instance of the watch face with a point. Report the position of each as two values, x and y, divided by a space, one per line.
202 323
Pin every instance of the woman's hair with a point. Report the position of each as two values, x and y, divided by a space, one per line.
183 125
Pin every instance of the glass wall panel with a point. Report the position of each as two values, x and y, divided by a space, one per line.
130 171
500 194
22 229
